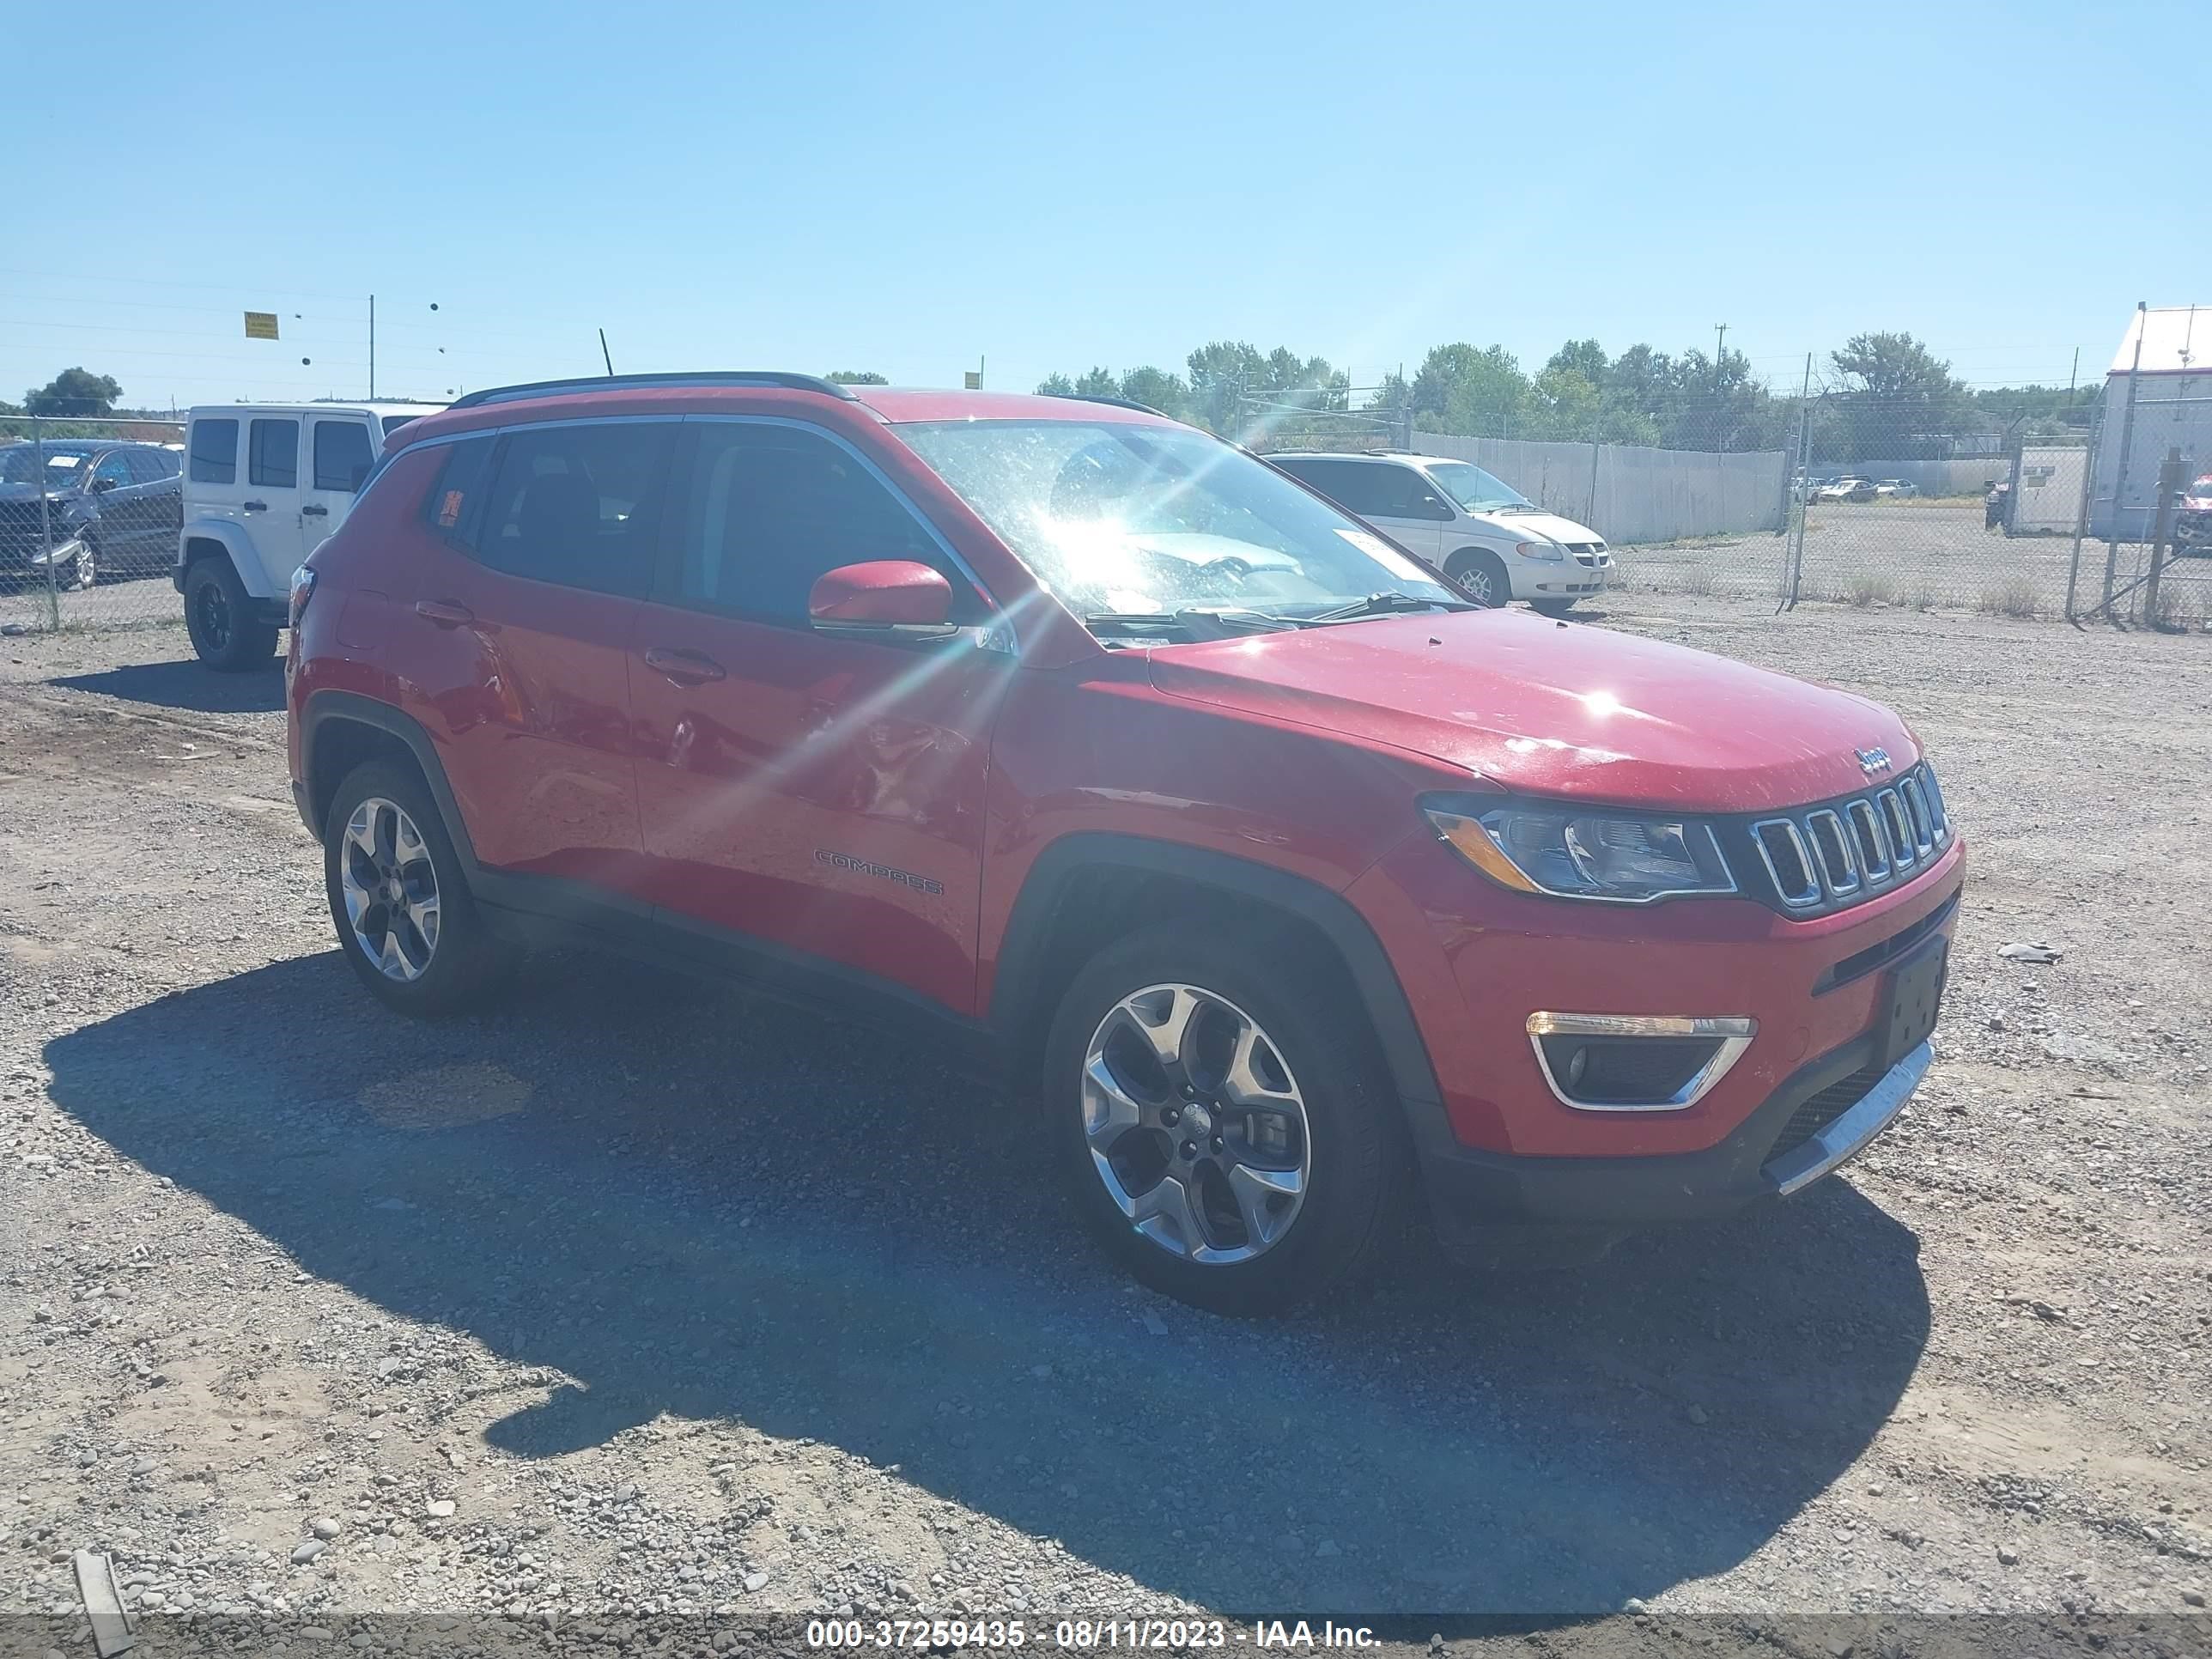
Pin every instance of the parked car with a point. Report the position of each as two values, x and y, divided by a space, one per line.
1845 489
1483 533
2193 520
111 508
1286 882
1895 490
265 485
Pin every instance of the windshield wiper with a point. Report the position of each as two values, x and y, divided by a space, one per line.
1383 605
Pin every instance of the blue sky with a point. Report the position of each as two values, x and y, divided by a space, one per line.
907 188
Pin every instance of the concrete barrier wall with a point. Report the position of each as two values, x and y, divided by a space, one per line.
1630 494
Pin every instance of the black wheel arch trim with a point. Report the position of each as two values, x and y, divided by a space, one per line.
1029 929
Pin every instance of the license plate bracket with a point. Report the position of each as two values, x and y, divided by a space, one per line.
1914 991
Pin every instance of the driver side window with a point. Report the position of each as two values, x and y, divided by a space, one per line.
113 471
771 509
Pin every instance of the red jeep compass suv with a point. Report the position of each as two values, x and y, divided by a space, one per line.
1281 877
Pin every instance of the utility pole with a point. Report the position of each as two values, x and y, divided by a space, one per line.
372 348
2073 374
1720 352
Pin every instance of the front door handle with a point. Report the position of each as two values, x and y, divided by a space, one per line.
683 667
255 506
445 613
312 510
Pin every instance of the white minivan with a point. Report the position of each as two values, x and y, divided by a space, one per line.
263 484
1480 531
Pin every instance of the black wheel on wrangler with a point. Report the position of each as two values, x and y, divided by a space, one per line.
398 897
219 616
1220 1112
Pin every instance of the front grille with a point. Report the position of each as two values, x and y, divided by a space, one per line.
1584 552
1835 853
19 529
1820 1110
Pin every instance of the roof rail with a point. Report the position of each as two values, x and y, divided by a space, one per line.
1114 403
770 377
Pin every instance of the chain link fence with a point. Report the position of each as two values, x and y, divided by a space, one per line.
90 511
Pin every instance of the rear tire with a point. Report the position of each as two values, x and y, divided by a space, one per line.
1325 1106
219 616
85 570
1481 576
400 899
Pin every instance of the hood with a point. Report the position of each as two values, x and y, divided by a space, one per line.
1555 709
28 492
1538 525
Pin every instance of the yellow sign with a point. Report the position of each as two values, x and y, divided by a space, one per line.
973 379
260 324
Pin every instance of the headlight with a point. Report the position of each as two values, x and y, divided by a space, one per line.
1539 550
1625 857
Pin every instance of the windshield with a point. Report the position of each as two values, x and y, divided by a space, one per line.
20 464
1120 518
1474 488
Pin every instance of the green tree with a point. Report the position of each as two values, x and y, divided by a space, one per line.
1055 386
1898 401
1479 392
856 377
1583 358
1156 388
1098 383
74 392
1221 373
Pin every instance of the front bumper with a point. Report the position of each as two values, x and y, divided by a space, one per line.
1557 578
1823 1116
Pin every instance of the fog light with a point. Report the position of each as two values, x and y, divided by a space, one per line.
1635 1062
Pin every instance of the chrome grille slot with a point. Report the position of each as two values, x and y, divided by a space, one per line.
1831 846
1899 827
1874 846
1924 826
1790 866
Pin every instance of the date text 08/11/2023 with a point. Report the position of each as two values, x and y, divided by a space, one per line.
1084 1634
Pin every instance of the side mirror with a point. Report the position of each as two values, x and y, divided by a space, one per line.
101 486
887 598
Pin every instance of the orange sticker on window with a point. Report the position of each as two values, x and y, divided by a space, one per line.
449 511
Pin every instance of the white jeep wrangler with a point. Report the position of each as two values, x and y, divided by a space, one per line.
263 484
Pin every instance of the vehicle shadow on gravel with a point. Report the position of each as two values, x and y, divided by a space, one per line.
691 1201
190 687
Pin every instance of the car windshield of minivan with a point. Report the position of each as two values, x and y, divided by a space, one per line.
1474 488
1130 525
20 464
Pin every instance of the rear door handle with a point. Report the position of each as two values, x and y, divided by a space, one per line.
317 512
444 613
255 506
683 667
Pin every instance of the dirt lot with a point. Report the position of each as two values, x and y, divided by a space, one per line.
637 1294
1916 555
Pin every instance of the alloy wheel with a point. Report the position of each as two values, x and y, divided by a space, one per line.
1474 577
391 889
1196 1127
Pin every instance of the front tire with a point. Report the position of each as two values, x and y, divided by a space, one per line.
1223 1120
1481 576
219 616
85 570
400 899
1552 607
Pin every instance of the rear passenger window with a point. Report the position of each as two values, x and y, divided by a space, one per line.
146 466
341 454
215 451
578 505
451 506
273 454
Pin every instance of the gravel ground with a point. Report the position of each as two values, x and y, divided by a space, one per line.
1926 555
639 1295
